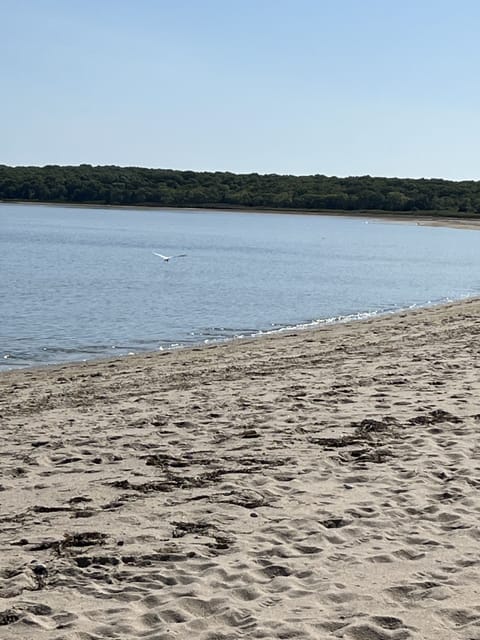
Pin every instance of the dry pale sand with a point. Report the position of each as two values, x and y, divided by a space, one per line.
320 485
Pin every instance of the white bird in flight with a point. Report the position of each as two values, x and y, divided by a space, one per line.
167 258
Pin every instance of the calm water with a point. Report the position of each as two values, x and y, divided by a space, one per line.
83 283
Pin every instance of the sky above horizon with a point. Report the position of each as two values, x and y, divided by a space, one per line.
334 87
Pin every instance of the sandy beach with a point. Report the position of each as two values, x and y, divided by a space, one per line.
318 485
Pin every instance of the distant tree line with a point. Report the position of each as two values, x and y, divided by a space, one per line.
112 185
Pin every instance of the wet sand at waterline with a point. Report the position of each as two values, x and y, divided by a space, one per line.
317 485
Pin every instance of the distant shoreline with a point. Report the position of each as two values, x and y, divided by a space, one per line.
451 221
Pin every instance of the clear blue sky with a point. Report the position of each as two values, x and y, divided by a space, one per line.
338 87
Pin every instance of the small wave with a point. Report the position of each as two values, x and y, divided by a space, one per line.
94 348
50 354
359 316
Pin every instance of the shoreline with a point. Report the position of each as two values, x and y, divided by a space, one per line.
283 332
321 484
440 220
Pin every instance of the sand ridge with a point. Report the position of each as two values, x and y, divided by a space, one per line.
318 485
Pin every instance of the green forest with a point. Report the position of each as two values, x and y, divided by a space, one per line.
135 186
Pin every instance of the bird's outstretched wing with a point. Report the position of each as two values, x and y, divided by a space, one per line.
167 258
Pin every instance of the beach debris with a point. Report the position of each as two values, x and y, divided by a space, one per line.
335 523
82 539
246 498
250 433
87 561
221 540
9 616
40 573
434 417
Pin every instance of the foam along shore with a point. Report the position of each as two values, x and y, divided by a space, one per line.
320 485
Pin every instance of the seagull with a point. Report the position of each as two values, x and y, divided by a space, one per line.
167 258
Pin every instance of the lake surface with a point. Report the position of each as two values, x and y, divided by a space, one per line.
79 283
